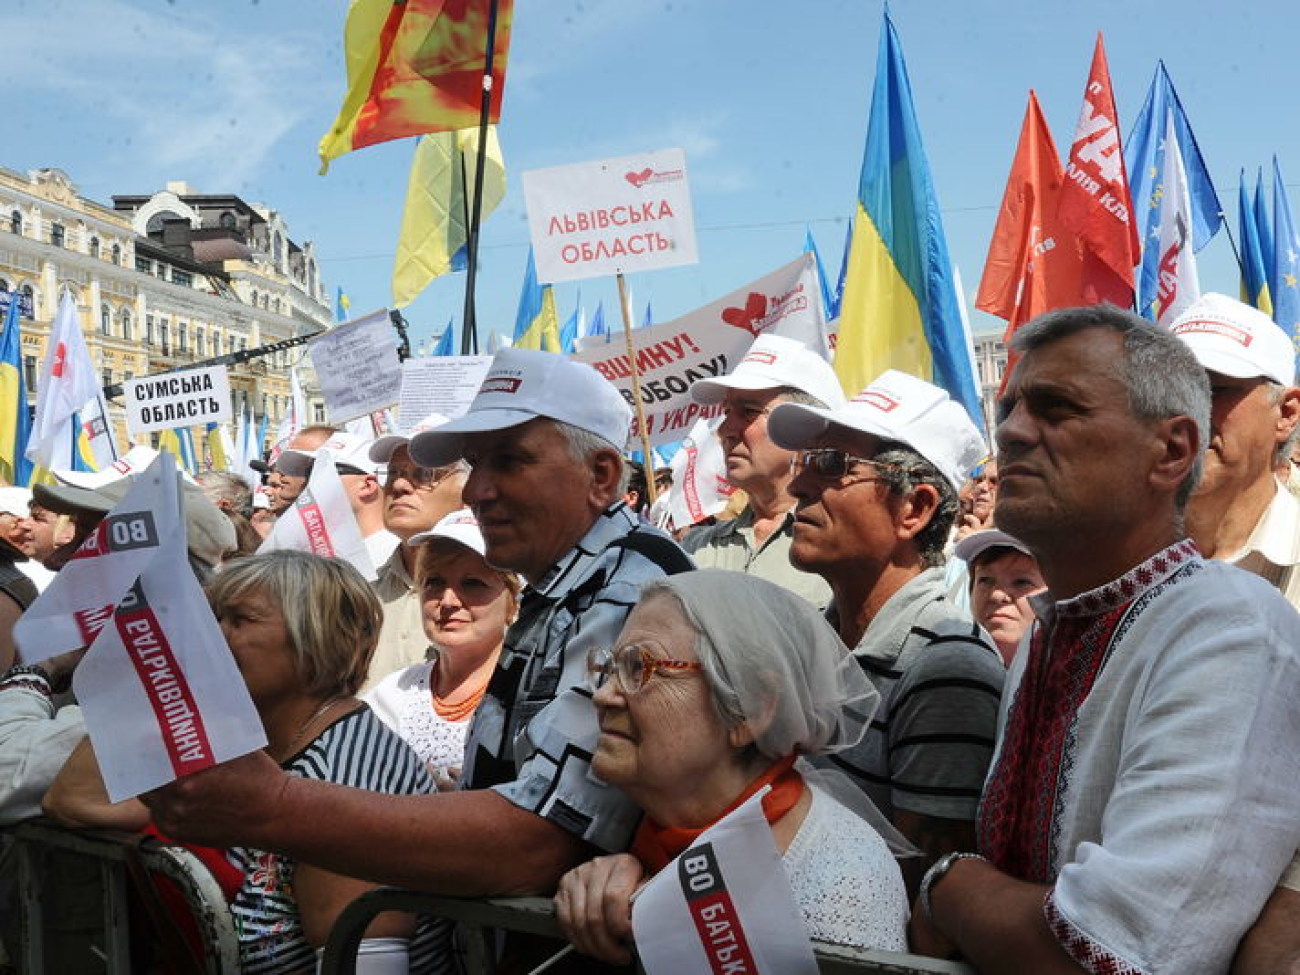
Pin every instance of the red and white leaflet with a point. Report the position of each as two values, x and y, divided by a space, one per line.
321 521
724 906
612 216
159 689
79 600
700 487
709 342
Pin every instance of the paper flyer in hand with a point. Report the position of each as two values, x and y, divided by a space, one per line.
724 906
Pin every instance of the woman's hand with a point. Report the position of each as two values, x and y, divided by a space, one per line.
594 906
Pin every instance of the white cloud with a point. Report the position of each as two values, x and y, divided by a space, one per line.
187 95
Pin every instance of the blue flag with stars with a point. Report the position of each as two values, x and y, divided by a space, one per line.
1144 157
1286 261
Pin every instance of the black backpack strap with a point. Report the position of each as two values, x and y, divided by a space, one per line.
659 549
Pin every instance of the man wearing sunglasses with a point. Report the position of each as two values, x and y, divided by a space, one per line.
876 481
757 541
543 440
415 498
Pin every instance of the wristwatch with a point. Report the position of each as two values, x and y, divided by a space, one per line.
937 873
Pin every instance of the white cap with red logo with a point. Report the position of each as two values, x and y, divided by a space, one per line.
1235 340
522 385
898 407
135 461
346 450
774 361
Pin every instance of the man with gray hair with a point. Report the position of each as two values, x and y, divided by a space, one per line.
876 482
542 439
775 370
1140 806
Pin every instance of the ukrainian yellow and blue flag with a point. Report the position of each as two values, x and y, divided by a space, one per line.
1254 271
900 307
537 324
15 421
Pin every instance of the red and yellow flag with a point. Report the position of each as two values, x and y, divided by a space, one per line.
416 66
1095 199
1034 264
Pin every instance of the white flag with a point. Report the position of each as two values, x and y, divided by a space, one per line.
79 600
724 905
321 521
67 384
1177 285
700 487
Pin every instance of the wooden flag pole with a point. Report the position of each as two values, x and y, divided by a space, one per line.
625 302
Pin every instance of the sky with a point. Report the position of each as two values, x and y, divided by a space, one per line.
768 100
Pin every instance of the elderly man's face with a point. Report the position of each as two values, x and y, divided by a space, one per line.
416 498
532 499
1072 458
753 460
1247 424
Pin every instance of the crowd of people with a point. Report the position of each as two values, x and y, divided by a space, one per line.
1037 712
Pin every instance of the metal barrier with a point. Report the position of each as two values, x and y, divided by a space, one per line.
478 920
51 859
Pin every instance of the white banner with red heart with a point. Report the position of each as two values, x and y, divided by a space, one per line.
707 343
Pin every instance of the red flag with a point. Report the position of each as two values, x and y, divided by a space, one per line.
1034 264
1095 200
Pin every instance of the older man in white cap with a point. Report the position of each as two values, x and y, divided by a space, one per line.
1240 512
543 439
415 498
775 370
876 482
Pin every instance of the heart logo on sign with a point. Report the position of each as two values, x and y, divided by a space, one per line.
639 179
748 317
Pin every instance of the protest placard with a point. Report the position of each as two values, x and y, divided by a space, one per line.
724 906
357 366
439 384
191 398
707 342
611 216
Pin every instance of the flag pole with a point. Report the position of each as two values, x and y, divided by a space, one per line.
469 333
625 302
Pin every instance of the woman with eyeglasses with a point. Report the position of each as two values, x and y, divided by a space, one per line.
718 683
467 606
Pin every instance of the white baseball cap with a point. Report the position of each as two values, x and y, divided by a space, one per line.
460 526
382 450
346 449
521 385
896 406
771 362
135 461
1235 340
977 543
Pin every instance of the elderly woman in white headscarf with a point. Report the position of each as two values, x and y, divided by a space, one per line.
717 684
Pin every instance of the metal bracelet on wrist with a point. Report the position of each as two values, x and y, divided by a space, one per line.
936 873
29 674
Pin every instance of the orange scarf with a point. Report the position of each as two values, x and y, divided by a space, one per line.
656 846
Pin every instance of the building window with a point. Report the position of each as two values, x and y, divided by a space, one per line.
29 300
216 343
126 325
117 254
107 377
164 335
148 329
227 221
29 370
183 278
4 285
105 320
183 337
255 299
94 247
57 234
278 246
318 411
143 264
200 342
275 305
16 222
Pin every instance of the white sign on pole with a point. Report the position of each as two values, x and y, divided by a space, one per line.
358 367
177 399
709 342
439 384
612 216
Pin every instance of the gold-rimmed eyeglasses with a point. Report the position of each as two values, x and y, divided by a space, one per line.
632 665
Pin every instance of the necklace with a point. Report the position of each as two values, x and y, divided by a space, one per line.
302 728
455 711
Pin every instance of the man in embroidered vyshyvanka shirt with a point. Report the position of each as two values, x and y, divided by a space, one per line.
1140 806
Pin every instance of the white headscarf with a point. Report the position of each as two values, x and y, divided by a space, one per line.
773 661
